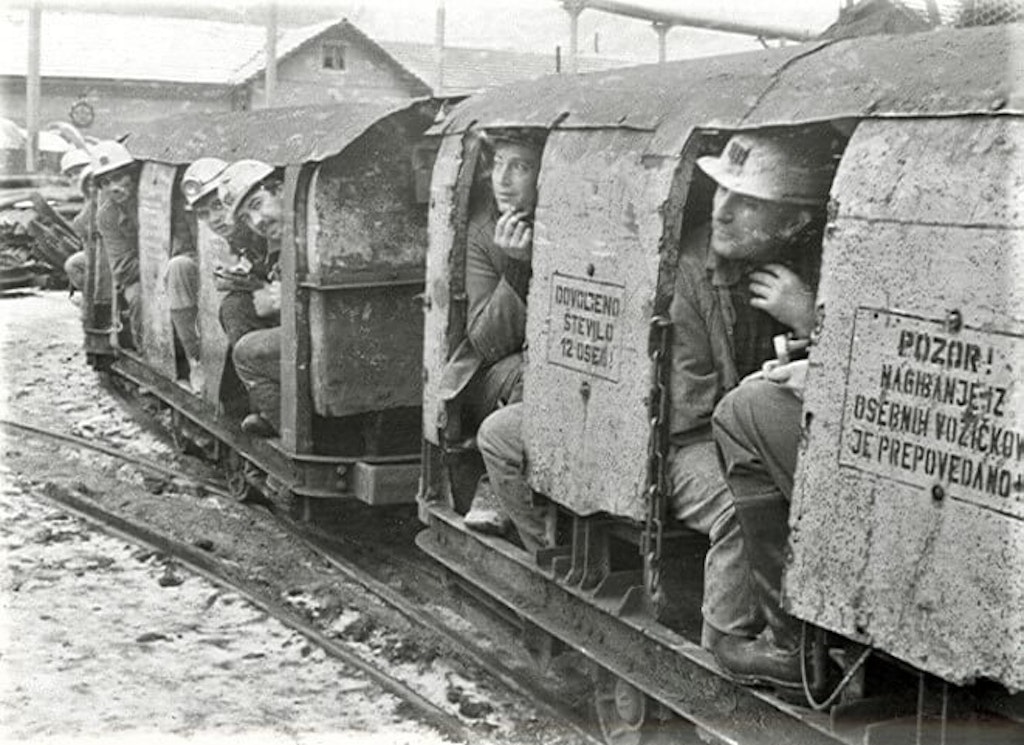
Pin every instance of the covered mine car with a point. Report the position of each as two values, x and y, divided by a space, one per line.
352 258
907 546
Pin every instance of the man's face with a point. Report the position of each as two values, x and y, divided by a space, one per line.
212 211
118 186
74 172
749 229
514 177
262 212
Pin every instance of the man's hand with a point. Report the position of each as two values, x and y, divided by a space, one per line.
267 299
513 234
779 292
792 375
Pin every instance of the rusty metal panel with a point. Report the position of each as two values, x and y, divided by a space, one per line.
908 514
444 201
366 216
365 349
278 136
976 70
630 98
155 197
596 263
954 71
213 251
367 241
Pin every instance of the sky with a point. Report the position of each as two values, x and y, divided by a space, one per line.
526 25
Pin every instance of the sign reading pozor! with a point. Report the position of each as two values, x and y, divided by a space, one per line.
933 408
583 323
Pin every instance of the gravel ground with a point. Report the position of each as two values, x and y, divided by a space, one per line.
104 639
103 642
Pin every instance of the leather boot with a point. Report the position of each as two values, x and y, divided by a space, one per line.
760 662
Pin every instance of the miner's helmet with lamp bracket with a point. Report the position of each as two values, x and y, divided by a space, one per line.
202 177
109 156
788 167
73 159
238 180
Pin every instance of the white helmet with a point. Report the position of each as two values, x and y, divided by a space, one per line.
201 178
109 155
776 167
83 179
238 179
74 159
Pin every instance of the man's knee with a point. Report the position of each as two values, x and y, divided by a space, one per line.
75 269
183 282
500 434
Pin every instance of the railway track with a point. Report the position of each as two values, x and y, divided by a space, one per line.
338 553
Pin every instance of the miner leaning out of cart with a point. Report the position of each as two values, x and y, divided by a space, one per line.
250 192
744 279
486 370
116 175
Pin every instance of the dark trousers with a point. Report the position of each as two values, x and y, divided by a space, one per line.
238 317
757 429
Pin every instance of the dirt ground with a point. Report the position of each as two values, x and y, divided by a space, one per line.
103 642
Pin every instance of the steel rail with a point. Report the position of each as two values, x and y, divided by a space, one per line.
208 567
135 460
212 570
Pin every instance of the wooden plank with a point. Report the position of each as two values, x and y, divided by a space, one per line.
155 202
296 401
213 342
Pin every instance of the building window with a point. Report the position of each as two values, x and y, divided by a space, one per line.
334 55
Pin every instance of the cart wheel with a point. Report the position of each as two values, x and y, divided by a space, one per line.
240 476
628 716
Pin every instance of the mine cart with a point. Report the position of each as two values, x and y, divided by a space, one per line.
351 274
906 525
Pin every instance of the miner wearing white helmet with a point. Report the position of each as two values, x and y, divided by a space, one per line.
742 280
115 173
77 165
198 185
73 162
250 192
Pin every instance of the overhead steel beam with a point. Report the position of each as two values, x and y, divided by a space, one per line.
695 20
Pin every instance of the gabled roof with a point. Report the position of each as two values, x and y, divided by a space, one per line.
103 46
467 70
293 39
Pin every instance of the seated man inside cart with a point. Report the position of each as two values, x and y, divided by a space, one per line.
486 370
757 430
199 190
76 166
744 279
115 172
250 313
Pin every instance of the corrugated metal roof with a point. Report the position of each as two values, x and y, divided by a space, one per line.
467 70
934 73
635 97
280 136
107 46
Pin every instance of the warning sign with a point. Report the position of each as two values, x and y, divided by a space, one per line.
583 321
936 409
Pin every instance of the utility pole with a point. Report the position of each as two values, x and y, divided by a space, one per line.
574 8
439 48
662 30
270 55
32 85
